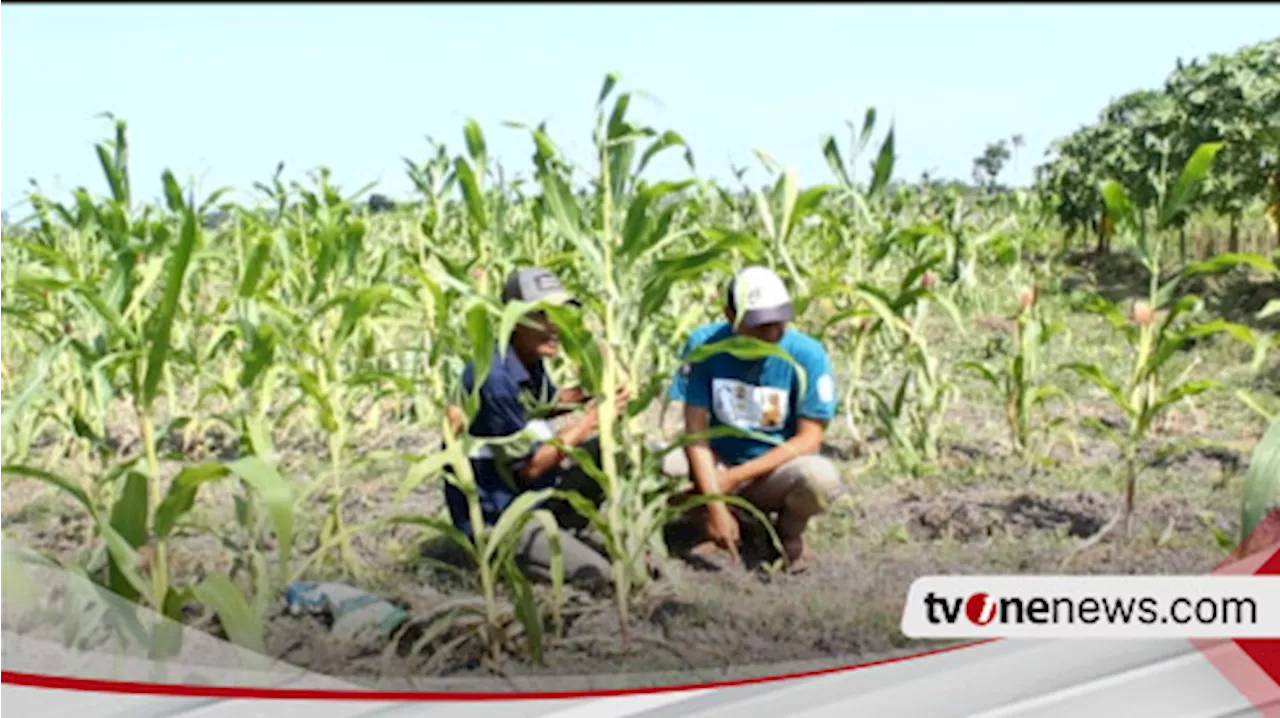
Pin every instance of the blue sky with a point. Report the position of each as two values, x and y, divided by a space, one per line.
220 94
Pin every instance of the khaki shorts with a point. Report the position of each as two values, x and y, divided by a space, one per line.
803 486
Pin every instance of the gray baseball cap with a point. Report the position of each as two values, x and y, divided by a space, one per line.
536 284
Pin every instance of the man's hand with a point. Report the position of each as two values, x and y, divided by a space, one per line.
588 423
575 433
807 440
621 396
722 527
457 419
577 396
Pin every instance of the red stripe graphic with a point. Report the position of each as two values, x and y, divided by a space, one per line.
196 691
1252 665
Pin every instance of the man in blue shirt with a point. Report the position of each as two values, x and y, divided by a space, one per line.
518 397
779 469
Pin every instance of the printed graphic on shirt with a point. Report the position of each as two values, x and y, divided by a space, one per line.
826 389
749 407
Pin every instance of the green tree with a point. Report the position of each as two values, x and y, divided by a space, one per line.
1232 99
987 166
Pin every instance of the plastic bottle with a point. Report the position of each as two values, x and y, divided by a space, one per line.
352 609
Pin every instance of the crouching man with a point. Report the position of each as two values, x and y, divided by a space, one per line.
517 397
781 473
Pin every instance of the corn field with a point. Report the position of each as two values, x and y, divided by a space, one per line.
267 384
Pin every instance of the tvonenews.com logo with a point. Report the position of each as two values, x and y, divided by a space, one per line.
1093 606
982 609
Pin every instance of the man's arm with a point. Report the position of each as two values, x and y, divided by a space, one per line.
696 395
702 461
567 400
547 456
722 527
807 440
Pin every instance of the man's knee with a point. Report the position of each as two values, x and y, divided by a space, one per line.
817 485
675 463
582 565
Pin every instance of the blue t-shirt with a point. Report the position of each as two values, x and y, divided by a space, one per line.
761 396
699 336
509 400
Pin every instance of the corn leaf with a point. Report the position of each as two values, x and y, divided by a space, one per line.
161 324
882 168
276 493
1193 173
129 519
1093 373
748 349
241 624
182 493
1262 483
512 517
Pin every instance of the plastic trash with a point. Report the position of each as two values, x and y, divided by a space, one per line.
352 609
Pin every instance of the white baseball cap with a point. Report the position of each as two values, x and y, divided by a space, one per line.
758 296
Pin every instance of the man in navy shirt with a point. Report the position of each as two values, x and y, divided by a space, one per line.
518 397
779 470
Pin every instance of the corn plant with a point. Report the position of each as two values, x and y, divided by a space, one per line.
1148 390
636 256
138 518
1019 378
490 549
913 416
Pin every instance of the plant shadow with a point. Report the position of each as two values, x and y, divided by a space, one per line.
686 540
